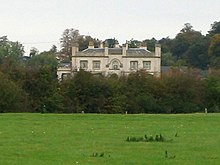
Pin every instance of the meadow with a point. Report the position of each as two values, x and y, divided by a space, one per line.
67 139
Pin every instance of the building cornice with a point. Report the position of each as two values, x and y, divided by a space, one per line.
140 57
91 56
118 55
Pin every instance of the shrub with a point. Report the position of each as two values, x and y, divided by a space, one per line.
157 138
13 98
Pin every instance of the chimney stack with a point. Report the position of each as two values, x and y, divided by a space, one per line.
124 49
91 45
117 44
101 45
158 50
106 48
143 46
75 49
126 45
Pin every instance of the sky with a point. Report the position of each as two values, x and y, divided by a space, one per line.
40 23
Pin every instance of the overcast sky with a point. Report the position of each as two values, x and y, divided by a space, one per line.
40 23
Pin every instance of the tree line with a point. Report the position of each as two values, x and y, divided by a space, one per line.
174 92
29 84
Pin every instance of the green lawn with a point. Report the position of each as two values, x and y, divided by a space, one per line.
44 139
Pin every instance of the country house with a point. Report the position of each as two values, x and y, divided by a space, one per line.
117 60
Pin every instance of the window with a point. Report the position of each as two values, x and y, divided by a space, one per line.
65 75
147 65
96 65
115 65
84 64
134 65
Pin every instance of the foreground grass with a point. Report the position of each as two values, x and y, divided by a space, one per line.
72 139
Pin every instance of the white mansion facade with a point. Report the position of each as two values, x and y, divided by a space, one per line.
107 61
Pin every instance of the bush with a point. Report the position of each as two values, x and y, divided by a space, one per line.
13 98
157 138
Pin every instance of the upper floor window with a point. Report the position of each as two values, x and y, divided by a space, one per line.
134 65
84 64
96 65
147 65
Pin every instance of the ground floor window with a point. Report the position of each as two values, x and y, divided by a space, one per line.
134 65
84 64
115 65
65 75
96 65
147 65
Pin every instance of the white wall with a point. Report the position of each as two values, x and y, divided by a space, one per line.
105 60
61 71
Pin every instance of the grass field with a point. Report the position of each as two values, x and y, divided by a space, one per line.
59 139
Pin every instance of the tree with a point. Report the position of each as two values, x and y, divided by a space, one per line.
197 54
187 28
13 98
215 28
184 40
41 84
53 49
68 39
150 43
168 59
84 92
166 44
33 52
115 97
4 46
14 50
140 90
111 42
212 84
182 93
11 63
185 46
180 46
84 41
214 51
134 43
41 81
54 103
43 59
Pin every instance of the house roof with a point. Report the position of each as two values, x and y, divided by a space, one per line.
138 52
114 51
92 52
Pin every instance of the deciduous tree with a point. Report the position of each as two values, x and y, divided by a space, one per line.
215 28
68 39
214 51
13 98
